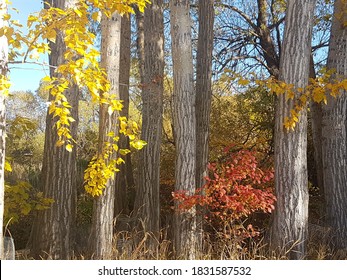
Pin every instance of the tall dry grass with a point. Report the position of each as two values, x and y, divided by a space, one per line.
138 245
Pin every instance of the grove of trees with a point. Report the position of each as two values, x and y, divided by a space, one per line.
176 130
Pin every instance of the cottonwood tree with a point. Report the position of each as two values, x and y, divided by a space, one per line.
147 205
249 35
203 88
185 236
124 178
334 131
53 233
3 92
100 174
316 127
290 221
322 26
100 240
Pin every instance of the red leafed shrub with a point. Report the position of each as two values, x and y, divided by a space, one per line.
235 189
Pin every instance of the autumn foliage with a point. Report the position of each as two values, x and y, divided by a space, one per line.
235 188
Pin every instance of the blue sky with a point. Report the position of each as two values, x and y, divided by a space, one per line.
26 77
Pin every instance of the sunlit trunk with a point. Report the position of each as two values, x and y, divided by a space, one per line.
334 132
101 237
185 235
289 228
53 230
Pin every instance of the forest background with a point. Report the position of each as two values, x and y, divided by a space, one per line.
201 83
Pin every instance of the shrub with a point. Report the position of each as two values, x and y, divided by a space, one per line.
236 188
21 199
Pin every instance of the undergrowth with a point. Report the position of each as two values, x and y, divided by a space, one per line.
132 245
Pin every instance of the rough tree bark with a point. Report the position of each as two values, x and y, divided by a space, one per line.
140 43
124 178
4 72
203 93
316 123
203 87
100 241
271 57
147 206
53 231
334 131
185 239
290 221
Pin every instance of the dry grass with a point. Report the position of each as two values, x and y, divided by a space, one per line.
137 245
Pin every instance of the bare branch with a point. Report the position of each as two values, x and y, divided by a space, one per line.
241 13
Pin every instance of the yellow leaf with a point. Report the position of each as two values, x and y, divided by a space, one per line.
135 126
31 20
290 95
8 166
110 134
60 143
117 105
96 16
318 94
51 35
138 145
124 152
344 84
78 12
289 124
243 82
69 147
303 99
6 17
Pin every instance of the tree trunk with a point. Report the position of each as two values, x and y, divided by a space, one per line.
334 131
203 87
3 72
316 121
268 47
147 206
140 43
53 231
289 228
101 237
185 240
122 187
203 92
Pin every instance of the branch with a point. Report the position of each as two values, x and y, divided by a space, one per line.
241 13
276 24
320 45
32 62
